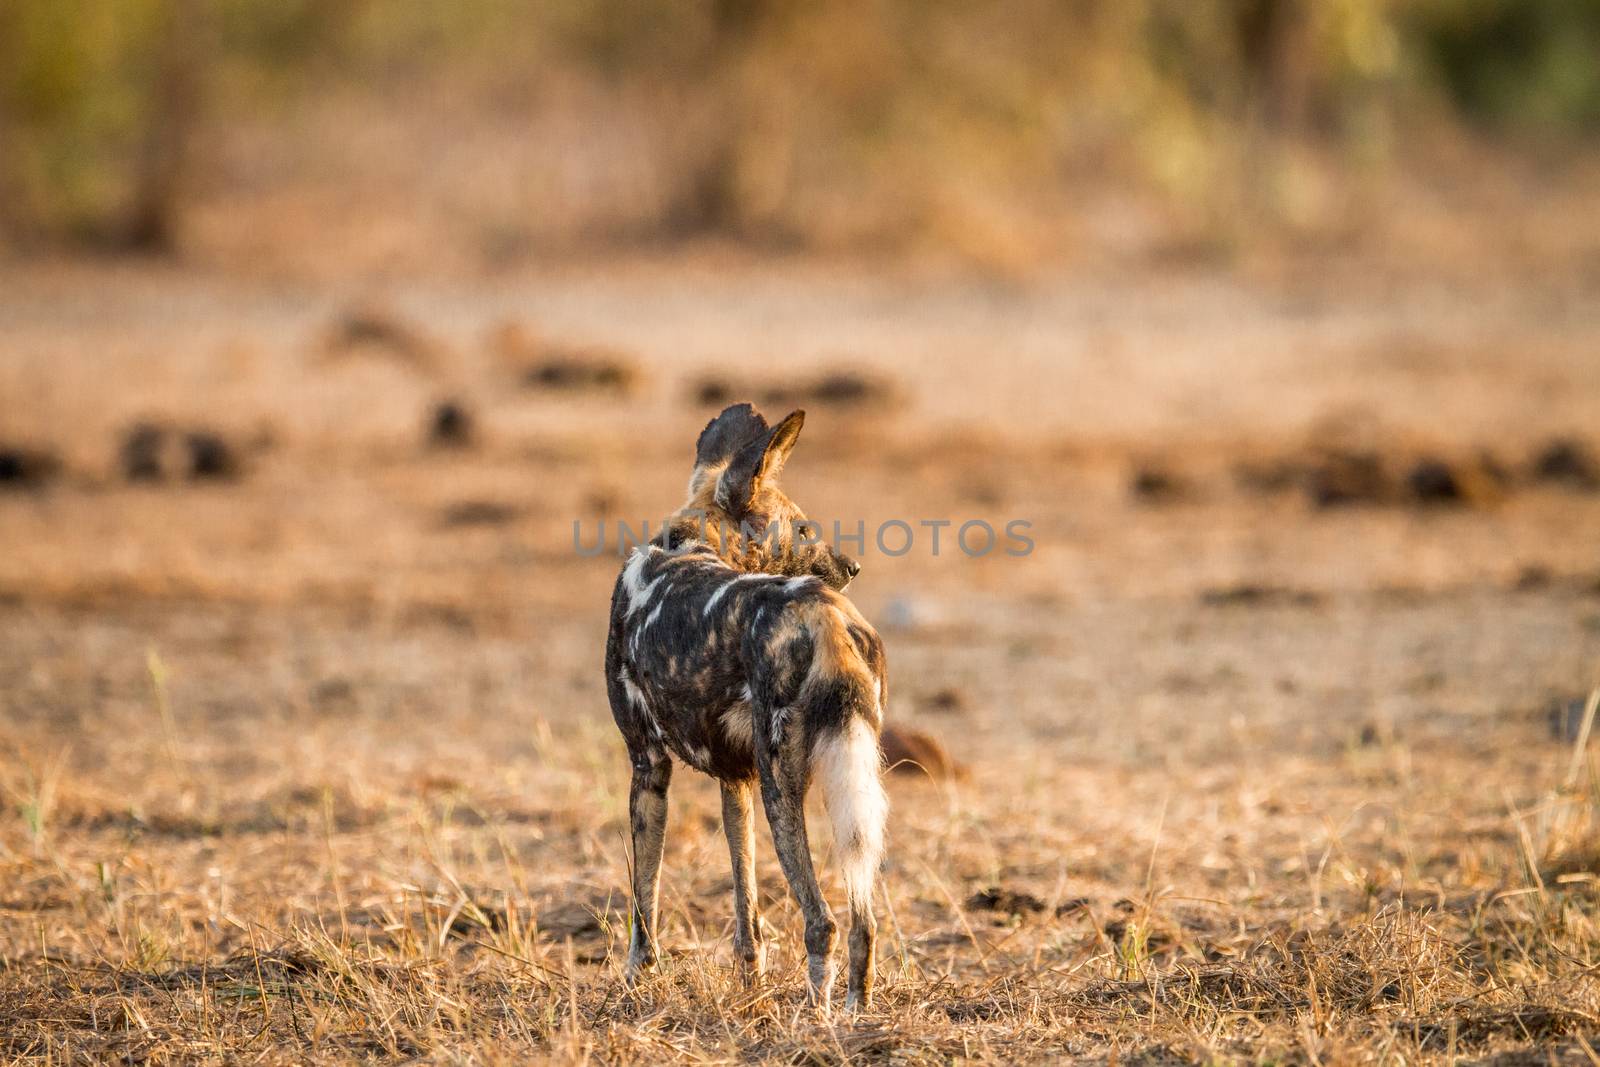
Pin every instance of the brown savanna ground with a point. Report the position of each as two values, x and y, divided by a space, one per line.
315 764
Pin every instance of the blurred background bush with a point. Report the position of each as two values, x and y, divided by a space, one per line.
1003 131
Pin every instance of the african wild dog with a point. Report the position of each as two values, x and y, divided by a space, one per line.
732 650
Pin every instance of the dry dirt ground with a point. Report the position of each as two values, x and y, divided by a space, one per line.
313 763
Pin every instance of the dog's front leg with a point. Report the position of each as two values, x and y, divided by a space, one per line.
647 813
783 791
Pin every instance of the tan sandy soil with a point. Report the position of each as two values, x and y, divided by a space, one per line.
315 764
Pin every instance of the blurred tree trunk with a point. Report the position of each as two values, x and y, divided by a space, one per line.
1275 47
162 166
13 215
710 201
13 218
1278 67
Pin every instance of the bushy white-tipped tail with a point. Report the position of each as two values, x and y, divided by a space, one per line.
849 767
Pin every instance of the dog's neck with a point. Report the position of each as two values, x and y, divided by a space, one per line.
686 532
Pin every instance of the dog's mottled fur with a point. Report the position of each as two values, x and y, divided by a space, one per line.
732 649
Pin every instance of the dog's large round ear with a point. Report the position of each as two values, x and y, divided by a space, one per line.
780 443
756 462
735 427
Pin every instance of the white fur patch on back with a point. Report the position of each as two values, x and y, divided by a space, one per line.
639 591
729 584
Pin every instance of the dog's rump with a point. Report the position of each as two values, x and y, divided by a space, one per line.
840 704
710 661
691 633
843 698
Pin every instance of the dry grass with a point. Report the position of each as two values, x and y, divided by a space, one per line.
294 769
382 864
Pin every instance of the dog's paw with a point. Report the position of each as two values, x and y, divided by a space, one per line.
639 964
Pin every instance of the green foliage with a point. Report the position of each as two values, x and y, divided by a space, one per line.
1516 62
75 83
87 90
284 33
780 91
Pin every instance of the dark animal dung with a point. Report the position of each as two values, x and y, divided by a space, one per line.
591 370
450 425
27 468
210 456
1006 901
152 452
1433 481
842 389
945 701
1341 478
1153 484
374 329
140 454
1567 462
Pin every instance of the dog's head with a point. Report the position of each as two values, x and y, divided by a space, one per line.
745 516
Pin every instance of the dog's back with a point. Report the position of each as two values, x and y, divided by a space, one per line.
711 662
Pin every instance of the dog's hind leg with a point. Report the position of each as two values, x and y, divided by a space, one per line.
738 822
647 814
863 938
784 778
